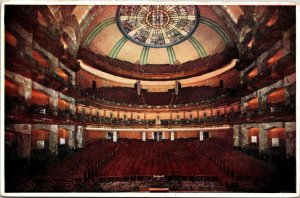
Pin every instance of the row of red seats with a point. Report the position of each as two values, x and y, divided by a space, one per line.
158 158
197 94
235 164
158 98
126 95
85 164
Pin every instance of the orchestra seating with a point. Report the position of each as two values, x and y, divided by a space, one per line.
170 159
78 168
187 159
240 168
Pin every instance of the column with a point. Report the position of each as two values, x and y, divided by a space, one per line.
72 106
172 136
244 137
152 135
115 136
71 137
139 87
176 87
53 139
291 144
289 87
201 135
23 140
287 96
261 62
262 104
73 78
244 106
163 135
144 137
290 129
263 139
53 101
27 91
236 142
79 137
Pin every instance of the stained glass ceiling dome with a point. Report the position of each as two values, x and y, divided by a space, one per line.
157 25
156 34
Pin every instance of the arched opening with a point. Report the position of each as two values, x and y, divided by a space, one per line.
13 100
253 138
252 105
39 102
276 139
11 39
39 140
276 100
63 107
62 74
63 136
276 57
40 58
273 19
253 73
11 88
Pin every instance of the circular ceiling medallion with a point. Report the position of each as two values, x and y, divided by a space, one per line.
157 25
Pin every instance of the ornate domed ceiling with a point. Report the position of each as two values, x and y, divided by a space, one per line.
159 34
157 25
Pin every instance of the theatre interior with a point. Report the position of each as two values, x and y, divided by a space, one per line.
150 98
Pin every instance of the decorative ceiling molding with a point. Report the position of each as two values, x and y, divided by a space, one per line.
96 30
144 55
216 27
117 48
198 47
171 55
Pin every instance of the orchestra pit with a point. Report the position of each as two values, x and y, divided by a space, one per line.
150 98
